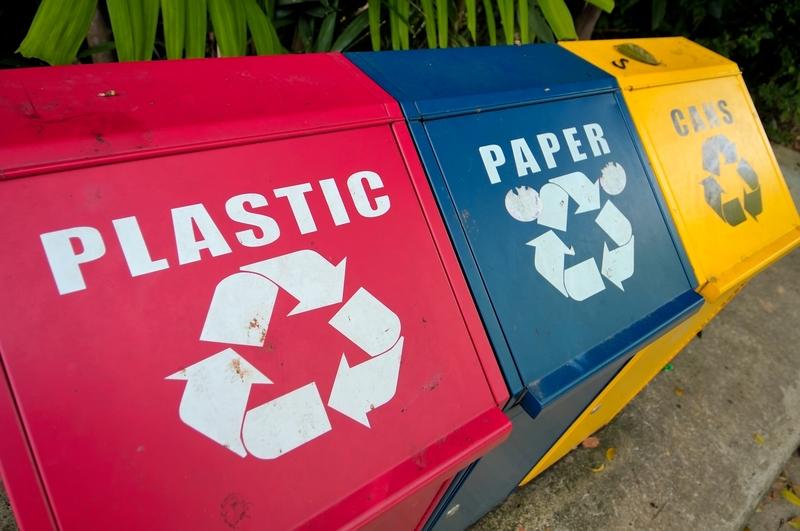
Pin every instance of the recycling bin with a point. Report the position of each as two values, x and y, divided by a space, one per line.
692 109
709 152
230 306
558 225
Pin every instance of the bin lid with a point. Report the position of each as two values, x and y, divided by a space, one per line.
710 155
124 109
261 334
433 84
550 206
640 63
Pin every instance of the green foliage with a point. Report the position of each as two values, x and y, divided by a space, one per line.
197 28
760 37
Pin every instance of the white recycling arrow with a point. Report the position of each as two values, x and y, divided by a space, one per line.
583 280
618 263
240 310
367 322
215 397
281 425
555 207
549 259
582 190
361 388
614 223
307 276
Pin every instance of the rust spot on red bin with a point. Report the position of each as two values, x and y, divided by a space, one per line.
233 509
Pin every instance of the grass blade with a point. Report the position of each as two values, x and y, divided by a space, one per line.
374 8
429 15
134 25
57 30
441 22
196 27
558 18
230 26
173 13
351 33
491 25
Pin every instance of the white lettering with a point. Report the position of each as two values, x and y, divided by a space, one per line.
356 185
334 200
235 207
65 262
594 134
297 201
493 157
573 144
184 220
548 143
523 158
135 249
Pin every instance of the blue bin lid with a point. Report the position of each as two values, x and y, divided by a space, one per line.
433 83
550 203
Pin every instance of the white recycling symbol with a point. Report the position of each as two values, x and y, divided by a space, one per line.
550 208
214 401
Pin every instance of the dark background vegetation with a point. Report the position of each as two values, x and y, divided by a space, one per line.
762 37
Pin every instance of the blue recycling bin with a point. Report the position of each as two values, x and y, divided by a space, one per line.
559 226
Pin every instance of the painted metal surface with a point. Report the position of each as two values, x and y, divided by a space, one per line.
558 225
253 319
709 152
633 377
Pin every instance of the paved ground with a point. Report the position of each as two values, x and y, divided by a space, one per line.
704 446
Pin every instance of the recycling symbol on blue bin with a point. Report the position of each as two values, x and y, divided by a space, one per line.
733 210
550 206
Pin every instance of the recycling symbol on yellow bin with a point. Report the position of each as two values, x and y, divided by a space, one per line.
732 211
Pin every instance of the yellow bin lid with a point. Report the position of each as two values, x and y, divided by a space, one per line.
711 157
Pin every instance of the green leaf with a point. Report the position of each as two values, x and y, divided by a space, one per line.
637 53
524 22
429 14
173 14
604 5
394 32
491 25
265 39
57 30
558 18
374 9
350 33
538 25
230 26
658 8
325 35
441 22
305 30
134 25
506 8
124 28
146 39
472 18
196 27
404 11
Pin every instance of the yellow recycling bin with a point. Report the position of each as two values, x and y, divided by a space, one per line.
716 170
